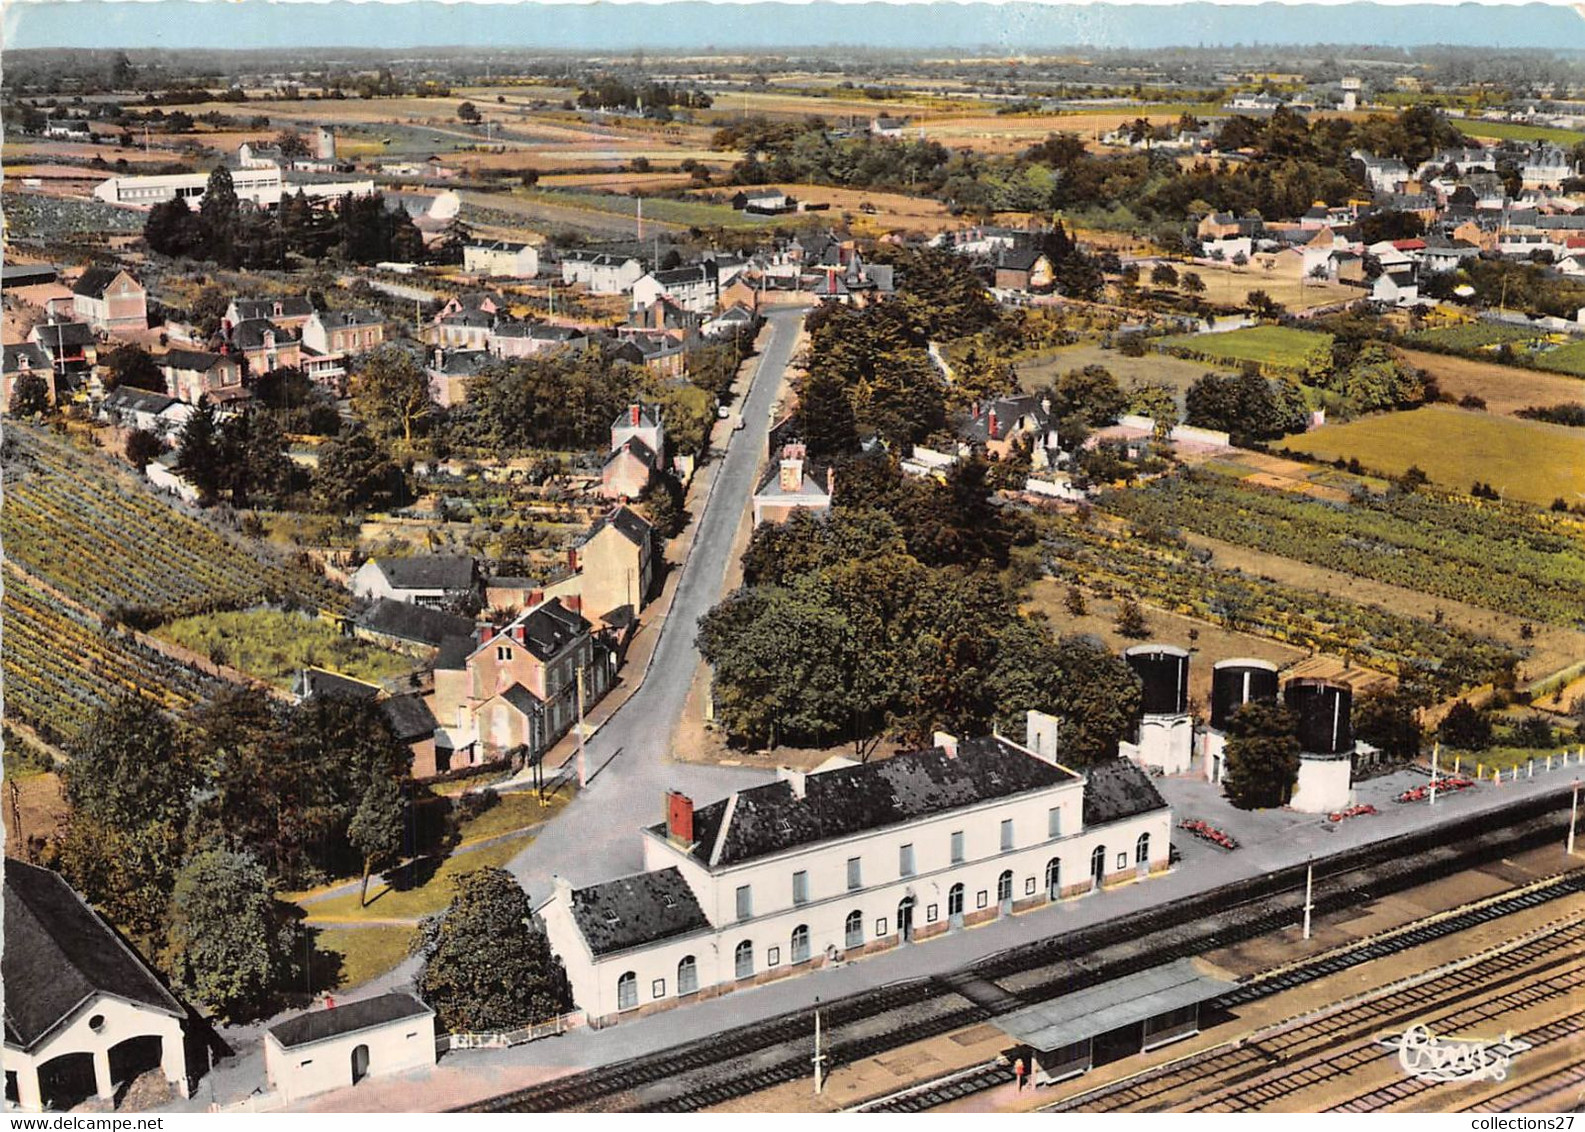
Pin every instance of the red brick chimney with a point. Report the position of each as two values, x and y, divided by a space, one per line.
679 818
632 415
996 426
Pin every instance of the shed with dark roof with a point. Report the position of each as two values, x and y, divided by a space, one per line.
344 1043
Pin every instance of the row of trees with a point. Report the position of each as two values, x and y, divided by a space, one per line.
181 830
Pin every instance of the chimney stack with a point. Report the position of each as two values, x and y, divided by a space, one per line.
947 742
632 415
995 426
792 473
679 818
1040 734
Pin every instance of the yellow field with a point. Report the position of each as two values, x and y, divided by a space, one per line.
1230 286
893 212
1505 389
1525 460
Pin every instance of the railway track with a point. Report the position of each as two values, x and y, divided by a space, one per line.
764 1054
1288 1058
1567 1084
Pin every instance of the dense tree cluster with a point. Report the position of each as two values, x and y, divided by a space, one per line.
1262 756
611 93
241 458
1247 406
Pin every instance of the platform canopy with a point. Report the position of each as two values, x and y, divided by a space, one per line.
1105 1007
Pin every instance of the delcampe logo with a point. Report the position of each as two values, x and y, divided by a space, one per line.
1430 1057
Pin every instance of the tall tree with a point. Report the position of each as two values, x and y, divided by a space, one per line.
231 943
218 217
199 452
377 828
355 473
1262 756
133 366
390 393
825 416
486 963
30 396
1095 695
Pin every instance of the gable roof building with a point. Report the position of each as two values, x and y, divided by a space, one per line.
848 859
72 990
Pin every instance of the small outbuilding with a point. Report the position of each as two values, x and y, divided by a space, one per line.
340 1046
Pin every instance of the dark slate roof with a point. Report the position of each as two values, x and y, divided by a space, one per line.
200 360
848 801
348 1018
26 274
94 281
1116 790
676 276
408 622
136 400
59 335
626 522
644 452
463 363
469 318
31 352
428 571
249 333
454 652
362 316
409 717
816 477
523 700
546 629
313 682
59 953
1007 411
637 910
1015 259
292 306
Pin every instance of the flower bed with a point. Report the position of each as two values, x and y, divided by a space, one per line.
1442 786
1352 812
1206 832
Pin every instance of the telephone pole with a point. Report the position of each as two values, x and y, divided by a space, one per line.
1435 750
1573 814
1309 888
583 766
819 1058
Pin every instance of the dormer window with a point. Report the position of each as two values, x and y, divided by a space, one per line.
503 652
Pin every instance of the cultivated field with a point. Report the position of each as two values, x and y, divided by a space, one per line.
1522 459
1273 347
1504 388
1569 359
892 212
1517 131
1230 286
1179 373
275 646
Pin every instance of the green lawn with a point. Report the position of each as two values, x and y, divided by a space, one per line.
1516 131
365 953
273 646
386 903
1473 336
516 811
1522 459
692 213
1569 359
1279 347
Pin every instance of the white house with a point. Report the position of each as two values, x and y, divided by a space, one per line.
849 860
423 579
501 258
83 1013
696 288
341 1046
158 413
601 274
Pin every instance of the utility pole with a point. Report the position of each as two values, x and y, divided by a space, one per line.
1573 814
1309 888
1435 749
583 766
819 1058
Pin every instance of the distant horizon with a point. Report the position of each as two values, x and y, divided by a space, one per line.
1014 27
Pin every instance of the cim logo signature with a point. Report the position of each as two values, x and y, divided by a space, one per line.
1428 1057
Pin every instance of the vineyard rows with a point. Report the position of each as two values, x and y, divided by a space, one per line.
110 544
61 666
1447 659
1497 556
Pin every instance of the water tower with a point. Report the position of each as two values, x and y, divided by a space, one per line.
1351 87
1165 737
325 144
1326 744
1234 683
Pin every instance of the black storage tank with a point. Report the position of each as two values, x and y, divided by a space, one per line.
1323 710
1164 671
1235 683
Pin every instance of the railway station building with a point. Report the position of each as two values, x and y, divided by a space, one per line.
849 860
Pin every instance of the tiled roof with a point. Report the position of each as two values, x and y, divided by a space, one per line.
200 360
626 522
249 333
637 910
348 1018
409 717
644 453
63 335
59 953
428 571
546 630
94 281
360 316
851 800
28 352
1118 789
312 682
292 306
407 622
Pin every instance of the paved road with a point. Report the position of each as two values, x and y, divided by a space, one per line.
596 837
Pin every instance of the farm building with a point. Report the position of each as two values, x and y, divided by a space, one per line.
109 299
83 1013
422 579
342 1045
849 860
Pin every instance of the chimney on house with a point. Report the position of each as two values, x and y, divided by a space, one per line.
1040 734
572 558
518 633
831 481
440 357
995 426
484 632
573 602
792 473
947 742
679 818
632 415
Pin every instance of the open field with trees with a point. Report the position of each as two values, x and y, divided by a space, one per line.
1230 287
1527 460
1499 556
1276 349
1179 373
1168 573
1568 358
1503 388
274 646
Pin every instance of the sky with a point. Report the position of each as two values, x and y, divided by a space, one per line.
1017 27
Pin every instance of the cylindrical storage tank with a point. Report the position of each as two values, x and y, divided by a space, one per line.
1325 784
1164 671
1235 683
1323 710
